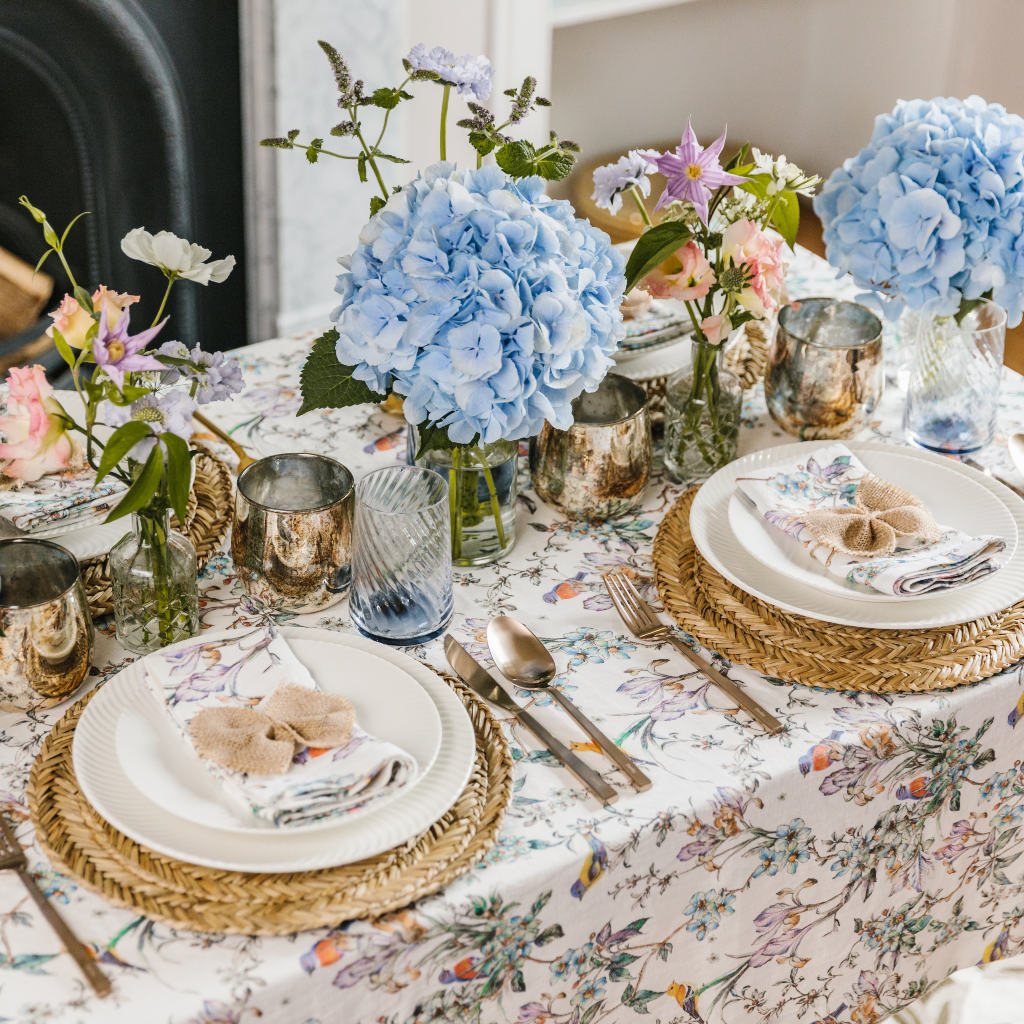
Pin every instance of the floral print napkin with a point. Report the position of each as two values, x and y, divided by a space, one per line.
228 669
58 499
829 479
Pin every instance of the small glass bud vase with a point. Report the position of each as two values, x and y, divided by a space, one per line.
481 496
154 571
703 408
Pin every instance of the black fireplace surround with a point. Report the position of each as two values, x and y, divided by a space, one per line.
130 109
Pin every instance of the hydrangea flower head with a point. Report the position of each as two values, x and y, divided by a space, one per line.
929 213
632 169
471 75
487 305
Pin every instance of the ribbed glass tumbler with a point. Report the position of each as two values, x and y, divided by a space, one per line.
402 556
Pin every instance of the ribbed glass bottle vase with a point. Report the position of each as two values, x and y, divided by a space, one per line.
402 556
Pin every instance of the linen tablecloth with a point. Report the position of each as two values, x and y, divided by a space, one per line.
832 873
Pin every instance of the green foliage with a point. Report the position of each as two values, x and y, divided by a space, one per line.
966 306
66 351
434 438
144 486
326 384
313 151
376 205
388 99
520 159
517 159
654 247
786 217
121 442
179 473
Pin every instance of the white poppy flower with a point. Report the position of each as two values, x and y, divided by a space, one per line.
174 255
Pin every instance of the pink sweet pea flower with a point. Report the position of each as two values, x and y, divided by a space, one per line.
113 302
116 354
35 427
72 321
693 173
686 274
716 328
750 248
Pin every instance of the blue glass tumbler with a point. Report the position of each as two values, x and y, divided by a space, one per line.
402 556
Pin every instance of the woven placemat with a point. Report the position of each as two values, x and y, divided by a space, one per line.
748 631
206 525
85 846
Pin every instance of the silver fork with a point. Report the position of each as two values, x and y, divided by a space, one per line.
12 856
641 621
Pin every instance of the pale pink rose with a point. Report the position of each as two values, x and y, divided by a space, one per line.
685 275
114 303
761 257
37 438
716 328
72 321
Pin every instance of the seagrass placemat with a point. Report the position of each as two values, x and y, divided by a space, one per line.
751 632
85 846
206 525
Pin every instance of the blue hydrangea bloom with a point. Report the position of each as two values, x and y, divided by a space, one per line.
930 212
487 305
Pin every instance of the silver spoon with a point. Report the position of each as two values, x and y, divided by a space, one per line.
1016 447
523 659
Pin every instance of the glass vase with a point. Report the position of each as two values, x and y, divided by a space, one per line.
953 392
154 571
703 407
481 496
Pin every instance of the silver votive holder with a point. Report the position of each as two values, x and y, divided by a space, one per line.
45 626
291 538
599 468
825 368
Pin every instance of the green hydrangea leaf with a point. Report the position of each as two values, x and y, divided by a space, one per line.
434 438
326 384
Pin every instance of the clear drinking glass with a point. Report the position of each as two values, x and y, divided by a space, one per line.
402 556
953 394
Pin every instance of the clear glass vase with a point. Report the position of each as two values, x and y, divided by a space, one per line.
703 407
481 497
953 392
153 570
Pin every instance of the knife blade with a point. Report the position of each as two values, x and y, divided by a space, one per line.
481 682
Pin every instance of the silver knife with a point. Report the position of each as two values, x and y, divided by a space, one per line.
481 682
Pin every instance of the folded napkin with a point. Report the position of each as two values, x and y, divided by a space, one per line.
227 670
57 499
866 530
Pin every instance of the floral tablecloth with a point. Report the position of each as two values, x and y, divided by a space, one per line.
833 873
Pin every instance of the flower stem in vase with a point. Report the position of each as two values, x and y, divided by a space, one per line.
495 506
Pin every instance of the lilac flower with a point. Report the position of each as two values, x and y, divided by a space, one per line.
117 354
169 413
632 169
215 380
693 172
470 74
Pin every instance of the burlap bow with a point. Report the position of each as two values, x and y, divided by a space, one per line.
883 514
264 741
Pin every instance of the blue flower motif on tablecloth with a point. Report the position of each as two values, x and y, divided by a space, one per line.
706 910
787 850
589 993
588 645
563 965
793 485
581 958
1008 817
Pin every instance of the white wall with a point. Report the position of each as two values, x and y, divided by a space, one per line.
805 77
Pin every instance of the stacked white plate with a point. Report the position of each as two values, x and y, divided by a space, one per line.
139 773
763 561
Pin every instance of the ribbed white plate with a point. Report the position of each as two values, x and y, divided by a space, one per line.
108 788
167 770
954 501
714 538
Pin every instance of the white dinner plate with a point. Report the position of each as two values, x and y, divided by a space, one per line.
165 768
108 788
954 501
714 538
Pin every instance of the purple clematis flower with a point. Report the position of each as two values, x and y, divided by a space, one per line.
116 354
693 172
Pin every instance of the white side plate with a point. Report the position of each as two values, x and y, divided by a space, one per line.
714 537
108 788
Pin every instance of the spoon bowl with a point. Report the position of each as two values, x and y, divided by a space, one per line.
519 654
1016 448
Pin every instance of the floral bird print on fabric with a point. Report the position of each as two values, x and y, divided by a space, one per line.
566 589
686 996
823 754
593 868
1015 715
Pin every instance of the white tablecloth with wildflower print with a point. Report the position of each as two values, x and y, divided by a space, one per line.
833 873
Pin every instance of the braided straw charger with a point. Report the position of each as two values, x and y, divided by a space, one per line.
210 507
82 844
749 631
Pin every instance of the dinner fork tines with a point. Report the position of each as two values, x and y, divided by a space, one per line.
641 621
12 856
